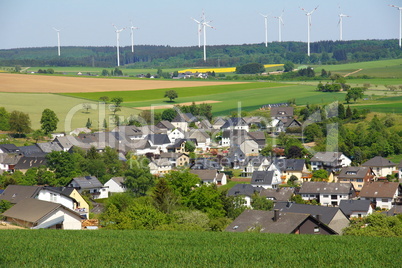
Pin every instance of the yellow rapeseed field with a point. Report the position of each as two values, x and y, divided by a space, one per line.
222 70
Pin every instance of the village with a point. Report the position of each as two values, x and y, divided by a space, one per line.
325 205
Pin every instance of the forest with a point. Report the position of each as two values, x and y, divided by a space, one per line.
152 56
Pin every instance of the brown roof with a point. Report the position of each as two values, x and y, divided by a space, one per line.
204 174
32 210
355 172
17 193
322 187
280 194
379 189
378 161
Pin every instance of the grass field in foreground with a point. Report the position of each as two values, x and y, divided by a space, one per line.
103 248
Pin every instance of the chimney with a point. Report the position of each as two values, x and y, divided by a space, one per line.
276 215
318 217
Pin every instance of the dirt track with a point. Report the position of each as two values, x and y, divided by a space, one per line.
59 84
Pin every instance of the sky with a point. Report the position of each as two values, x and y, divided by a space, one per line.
29 23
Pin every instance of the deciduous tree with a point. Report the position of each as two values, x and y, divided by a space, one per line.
48 121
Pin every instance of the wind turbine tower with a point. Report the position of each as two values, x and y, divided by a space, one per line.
205 24
117 39
308 14
199 22
266 28
58 40
280 23
132 28
341 16
400 23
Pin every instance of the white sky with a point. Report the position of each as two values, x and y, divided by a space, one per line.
29 23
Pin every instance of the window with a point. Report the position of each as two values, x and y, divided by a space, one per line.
312 195
325 196
384 200
334 196
359 180
316 229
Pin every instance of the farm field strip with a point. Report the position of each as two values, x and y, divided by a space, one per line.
115 248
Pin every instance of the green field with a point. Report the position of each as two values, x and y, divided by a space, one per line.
55 248
34 104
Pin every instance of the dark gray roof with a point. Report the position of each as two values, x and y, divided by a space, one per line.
27 162
205 163
291 122
350 206
179 142
185 117
32 150
249 219
49 147
290 164
326 157
255 161
262 177
354 172
322 187
62 190
234 122
378 161
326 213
9 148
243 189
282 111
280 194
158 139
87 182
16 193
395 210
164 124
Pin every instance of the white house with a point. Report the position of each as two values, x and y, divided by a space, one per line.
356 208
116 185
381 194
90 184
159 166
265 179
50 195
327 193
246 191
380 165
176 134
210 176
330 161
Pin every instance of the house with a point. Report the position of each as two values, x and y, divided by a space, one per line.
283 113
203 139
80 130
265 179
258 137
276 126
249 148
289 168
17 193
116 185
206 163
9 149
381 194
333 217
246 191
256 122
176 159
32 150
180 145
159 166
161 141
130 133
400 170
327 193
8 162
233 137
48 147
356 208
254 163
165 125
66 142
358 176
235 123
38 214
218 123
176 134
210 176
90 184
205 125
380 165
80 204
182 120
278 222
27 162
330 161
278 195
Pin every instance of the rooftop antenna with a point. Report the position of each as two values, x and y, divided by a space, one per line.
117 39
58 40
308 14
400 22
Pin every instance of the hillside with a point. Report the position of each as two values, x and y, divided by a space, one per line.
148 56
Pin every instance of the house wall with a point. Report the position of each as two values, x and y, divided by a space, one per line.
103 193
383 171
114 187
71 221
308 227
357 183
83 206
357 214
339 222
384 203
326 199
53 197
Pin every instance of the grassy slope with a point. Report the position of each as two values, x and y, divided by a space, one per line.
48 248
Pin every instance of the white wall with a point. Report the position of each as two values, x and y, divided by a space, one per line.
114 187
54 197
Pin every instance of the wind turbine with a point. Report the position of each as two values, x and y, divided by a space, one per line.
132 28
400 23
308 14
280 23
204 25
118 38
341 16
58 40
199 22
266 28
